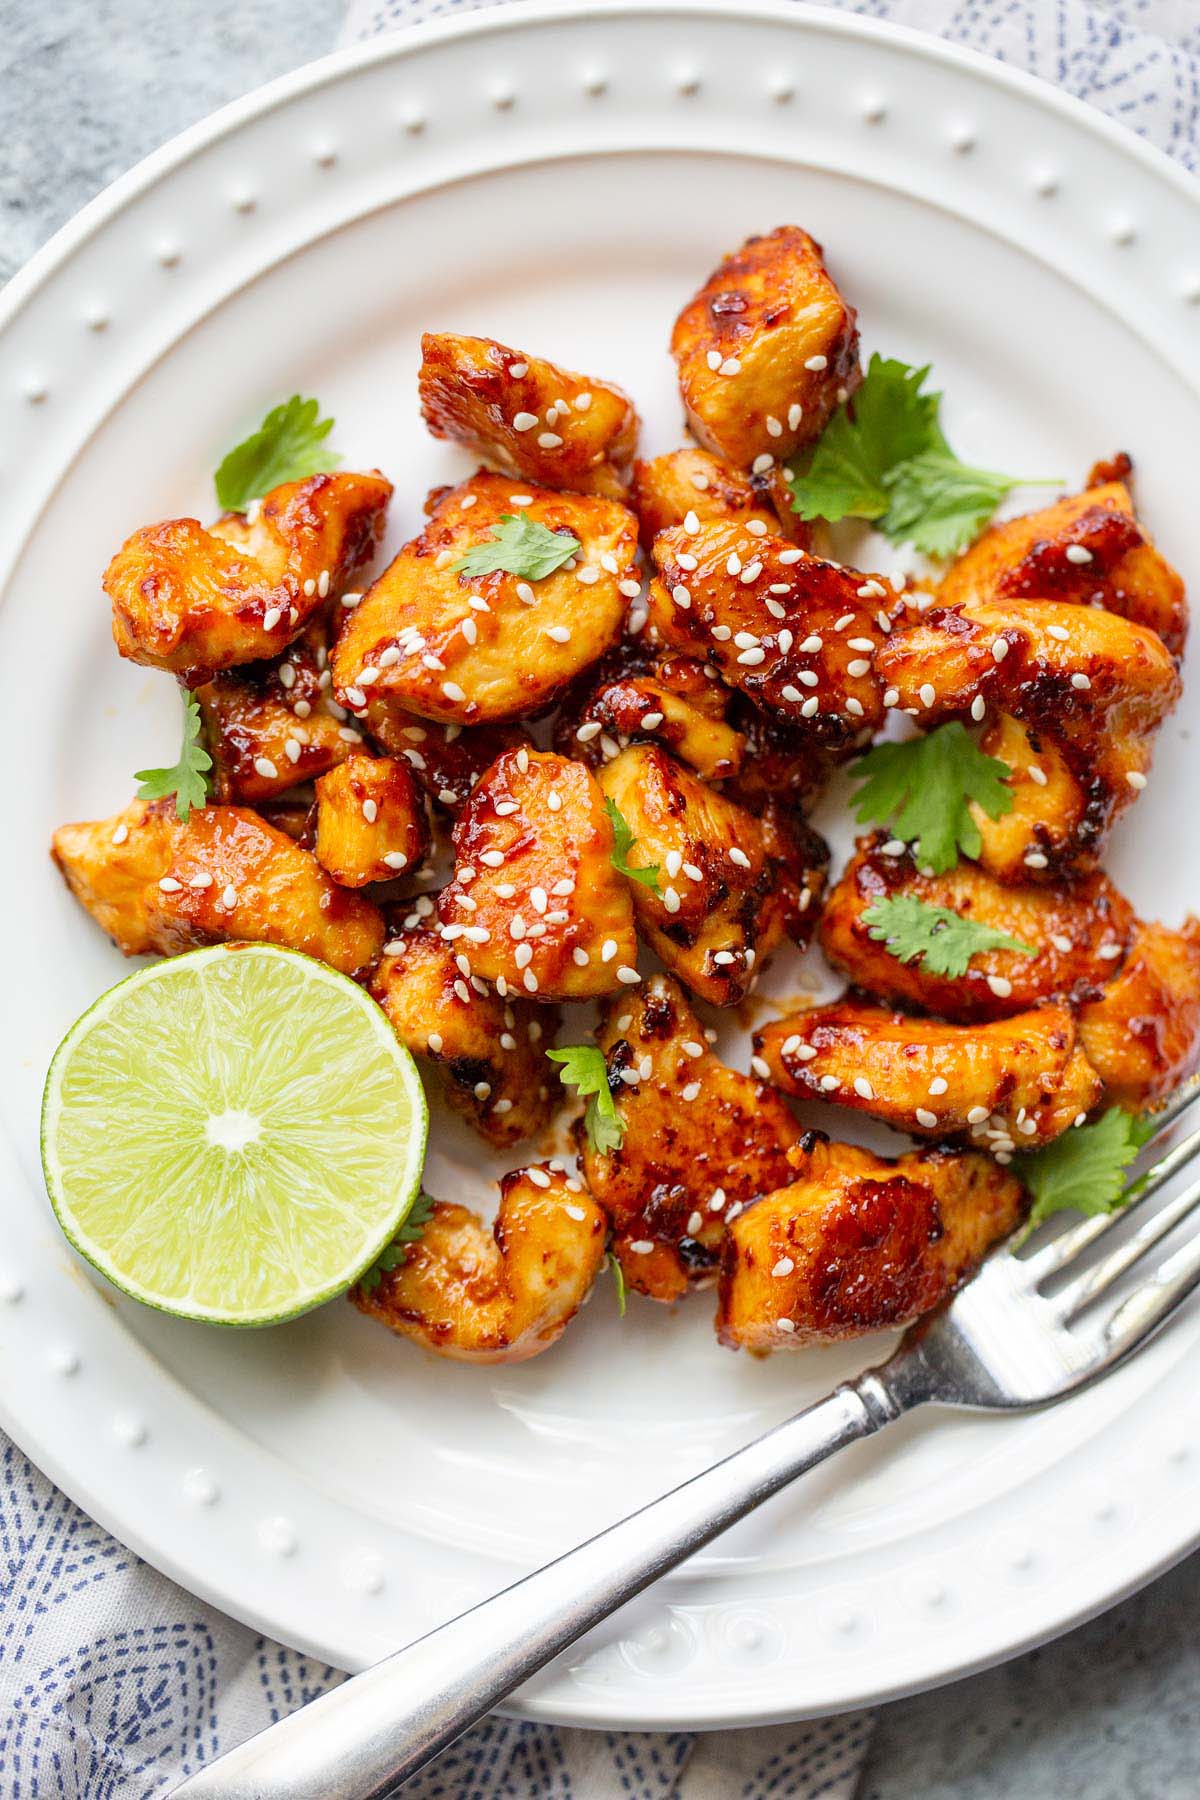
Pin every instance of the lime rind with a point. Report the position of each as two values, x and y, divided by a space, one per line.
233 1135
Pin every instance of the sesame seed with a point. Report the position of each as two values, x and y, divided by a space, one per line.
608 561
491 859
351 598
631 589
525 594
1078 553
523 956
651 721
700 482
841 624
681 596
627 975
524 421
1133 777
1109 952
272 617
323 584
452 691
816 363
854 707
1081 682
430 661
310 588
978 707
561 634
516 928
554 800
776 610
783 1267
774 428
927 694
806 1052
750 573
1035 860
861 666
977 1116
587 732
549 440
829 1084
731 366
860 643
691 521
739 857
722 633
120 834
788 1325
229 898
470 630
690 1092
580 958
926 1118
692 872
1000 985
641 1246
695 1224
724 958
477 603
538 1177
370 811
761 1067
762 463
169 885
713 359
587 575
999 649
789 693
1058 631
518 370
890 696
863 1088
356 697
671 900
265 767
752 657
810 707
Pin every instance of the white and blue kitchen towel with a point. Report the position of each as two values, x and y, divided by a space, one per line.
114 1683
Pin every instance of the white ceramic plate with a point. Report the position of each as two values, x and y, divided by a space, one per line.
563 180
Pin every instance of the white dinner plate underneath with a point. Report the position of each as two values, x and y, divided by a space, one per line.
563 180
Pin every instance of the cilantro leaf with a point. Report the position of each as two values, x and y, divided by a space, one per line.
938 504
584 1068
1084 1170
892 421
288 445
883 457
922 787
394 1254
946 941
187 779
519 546
618 1275
623 842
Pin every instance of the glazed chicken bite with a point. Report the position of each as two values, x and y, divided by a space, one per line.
700 1139
1080 932
857 1243
1095 685
502 1294
766 350
536 905
478 649
194 600
489 1054
1087 548
529 417
797 635
635 695
269 726
1011 1085
156 884
1143 1032
669 490
371 820
729 886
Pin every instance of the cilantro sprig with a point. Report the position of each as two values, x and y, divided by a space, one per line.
393 1255
921 789
288 445
623 842
1083 1171
944 940
186 779
519 546
584 1068
884 457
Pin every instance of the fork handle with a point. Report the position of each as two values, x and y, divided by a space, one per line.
364 1739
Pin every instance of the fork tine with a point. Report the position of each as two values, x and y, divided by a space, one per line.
1071 1300
1068 1244
1152 1304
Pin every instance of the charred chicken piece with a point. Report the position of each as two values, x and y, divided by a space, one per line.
700 1139
766 350
690 485
1094 684
636 695
529 417
797 635
730 886
1080 931
155 884
480 649
446 759
489 1054
858 1243
1087 548
1011 1084
536 905
194 600
269 726
502 1294
1143 1032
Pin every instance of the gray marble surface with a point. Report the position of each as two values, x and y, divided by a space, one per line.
1108 1713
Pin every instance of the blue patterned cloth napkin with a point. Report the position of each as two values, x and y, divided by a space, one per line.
115 1683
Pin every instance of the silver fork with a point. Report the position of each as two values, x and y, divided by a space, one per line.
999 1343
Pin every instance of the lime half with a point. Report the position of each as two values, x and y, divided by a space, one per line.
233 1135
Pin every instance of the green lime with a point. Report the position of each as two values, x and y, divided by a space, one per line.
233 1135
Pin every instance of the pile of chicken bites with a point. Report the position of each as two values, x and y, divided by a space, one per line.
696 664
